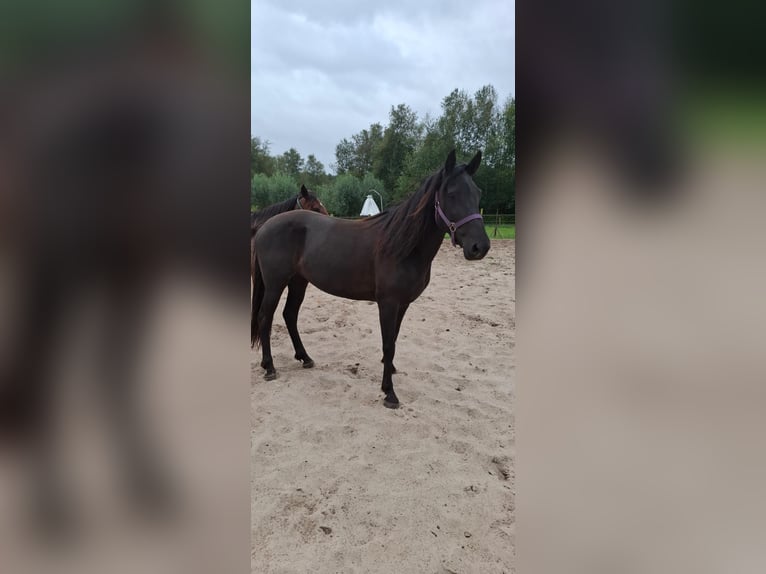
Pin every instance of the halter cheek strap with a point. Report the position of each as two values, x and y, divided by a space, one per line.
298 203
452 226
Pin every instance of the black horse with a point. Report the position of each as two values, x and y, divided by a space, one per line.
385 258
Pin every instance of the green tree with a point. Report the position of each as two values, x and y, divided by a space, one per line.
400 140
407 150
313 172
508 134
260 159
504 192
366 145
450 125
484 121
344 157
478 123
470 123
290 163
357 156
427 159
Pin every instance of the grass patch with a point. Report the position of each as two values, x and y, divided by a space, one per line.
503 232
726 119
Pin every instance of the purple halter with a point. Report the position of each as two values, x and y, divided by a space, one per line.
451 226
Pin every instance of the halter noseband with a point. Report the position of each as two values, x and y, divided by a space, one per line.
451 225
299 205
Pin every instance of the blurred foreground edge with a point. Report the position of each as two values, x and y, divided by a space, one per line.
123 270
640 300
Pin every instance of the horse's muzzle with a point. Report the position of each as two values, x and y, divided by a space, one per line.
475 250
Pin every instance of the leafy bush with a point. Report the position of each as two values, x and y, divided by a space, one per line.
346 196
267 190
259 191
282 187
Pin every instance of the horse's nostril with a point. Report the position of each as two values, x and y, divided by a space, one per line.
479 250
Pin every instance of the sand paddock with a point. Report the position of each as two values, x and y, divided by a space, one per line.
342 484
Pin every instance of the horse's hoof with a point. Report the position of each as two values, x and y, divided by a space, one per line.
391 403
308 364
270 376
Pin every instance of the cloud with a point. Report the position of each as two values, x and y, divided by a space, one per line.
324 71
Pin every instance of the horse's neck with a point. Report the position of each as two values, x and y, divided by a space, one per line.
287 205
430 244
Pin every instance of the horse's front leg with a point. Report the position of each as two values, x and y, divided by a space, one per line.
389 312
399 318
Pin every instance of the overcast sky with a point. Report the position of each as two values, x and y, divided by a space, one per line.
322 71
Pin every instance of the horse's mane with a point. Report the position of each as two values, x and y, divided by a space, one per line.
403 225
259 217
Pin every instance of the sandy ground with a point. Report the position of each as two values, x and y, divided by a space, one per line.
342 484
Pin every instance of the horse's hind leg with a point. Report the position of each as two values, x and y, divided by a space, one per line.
265 319
295 294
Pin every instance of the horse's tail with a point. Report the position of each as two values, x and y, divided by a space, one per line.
258 289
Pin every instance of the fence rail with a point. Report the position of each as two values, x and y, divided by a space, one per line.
492 219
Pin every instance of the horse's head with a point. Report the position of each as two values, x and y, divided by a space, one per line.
308 200
457 207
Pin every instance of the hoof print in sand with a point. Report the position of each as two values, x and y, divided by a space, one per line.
503 465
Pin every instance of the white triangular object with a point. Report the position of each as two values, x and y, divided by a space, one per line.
369 207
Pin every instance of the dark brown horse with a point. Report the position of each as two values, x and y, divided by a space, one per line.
385 258
306 199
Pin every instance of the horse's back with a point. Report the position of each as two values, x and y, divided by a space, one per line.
288 226
335 255
299 227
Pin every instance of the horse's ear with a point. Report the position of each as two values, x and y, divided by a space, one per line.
304 191
474 163
450 164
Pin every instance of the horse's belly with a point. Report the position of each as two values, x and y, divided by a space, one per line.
339 262
358 294
341 280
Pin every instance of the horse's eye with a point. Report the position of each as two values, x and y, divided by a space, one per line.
315 209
